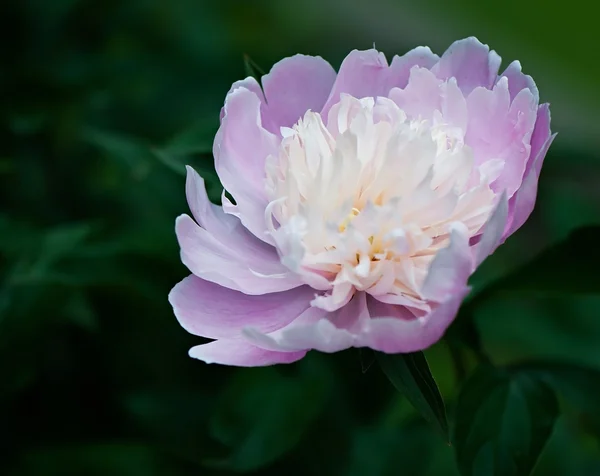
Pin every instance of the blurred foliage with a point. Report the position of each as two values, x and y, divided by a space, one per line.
104 102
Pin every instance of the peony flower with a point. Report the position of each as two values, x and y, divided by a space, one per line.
362 202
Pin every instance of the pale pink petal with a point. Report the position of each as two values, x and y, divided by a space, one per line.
238 261
518 81
451 267
250 84
209 310
425 94
240 149
471 63
401 65
422 95
362 74
522 203
389 331
499 129
493 231
240 353
318 329
296 85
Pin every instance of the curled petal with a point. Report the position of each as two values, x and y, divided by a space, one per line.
522 203
296 85
240 353
493 231
389 331
401 66
517 81
213 259
451 267
241 148
471 63
209 310
362 74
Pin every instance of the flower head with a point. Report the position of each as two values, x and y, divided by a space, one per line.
364 200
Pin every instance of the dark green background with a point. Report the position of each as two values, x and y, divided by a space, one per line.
103 101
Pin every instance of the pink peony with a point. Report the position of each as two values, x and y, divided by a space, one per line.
364 200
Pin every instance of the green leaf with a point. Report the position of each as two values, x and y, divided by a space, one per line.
367 359
579 386
378 450
253 69
569 267
196 139
503 421
410 374
115 458
262 414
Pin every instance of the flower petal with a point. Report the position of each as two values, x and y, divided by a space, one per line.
240 353
401 65
240 149
522 203
362 74
499 129
294 85
451 267
318 329
238 261
518 81
389 331
493 231
250 84
471 63
209 310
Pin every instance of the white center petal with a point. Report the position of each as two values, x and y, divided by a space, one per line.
364 201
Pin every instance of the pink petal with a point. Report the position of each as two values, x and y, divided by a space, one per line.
214 259
499 129
518 81
209 310
401 65
240 149
425 93
229 231
522 203
451 267
471 63
362 74
317 329
295 85
250 84
421 96
493 231
240 353
389 331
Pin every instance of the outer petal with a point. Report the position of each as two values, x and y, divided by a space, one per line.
362 74
240 353
240 149
518 81
210 258
471 63
401 65
295 85
390 332
425 94
499 129
451 267
236 255
522 203
210 310
493 231
250 84
317 329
